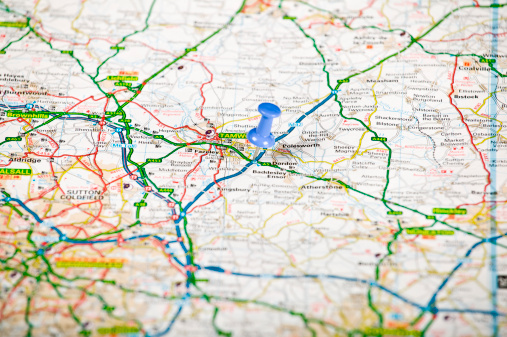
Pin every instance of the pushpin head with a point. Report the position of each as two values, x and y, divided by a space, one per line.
261 136
269 110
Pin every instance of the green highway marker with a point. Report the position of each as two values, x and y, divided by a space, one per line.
391 332
122 78
461 211
232 135
43 115
117 330
123 84
113 113
22 172
430 232
10 24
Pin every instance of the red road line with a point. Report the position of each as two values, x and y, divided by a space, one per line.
169 257
215 180
152 115
466 38
202 86
468 130
255 4
361 11
8 298
126 175
191 171
325 23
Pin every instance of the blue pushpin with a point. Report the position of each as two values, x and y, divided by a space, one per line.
261 136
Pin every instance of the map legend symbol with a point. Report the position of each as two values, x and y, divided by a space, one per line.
261 136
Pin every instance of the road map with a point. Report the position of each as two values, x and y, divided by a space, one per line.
131 203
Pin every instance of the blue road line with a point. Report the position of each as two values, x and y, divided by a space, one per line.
493 113
163 333
210 185
306 114
64 238
433 299
39 220
431 304
433 310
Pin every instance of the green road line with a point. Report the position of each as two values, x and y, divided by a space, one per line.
27 315
383 142
318 51
143 200
129 129
45 123
305 319
126 37
163 157
187 51
425 329
12 42
14 208
16 251
462 55
73 315
218 331
377 272
29 236
341 107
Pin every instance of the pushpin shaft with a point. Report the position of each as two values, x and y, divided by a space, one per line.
256 153
264 128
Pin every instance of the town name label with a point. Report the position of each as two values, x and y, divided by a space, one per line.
23 172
